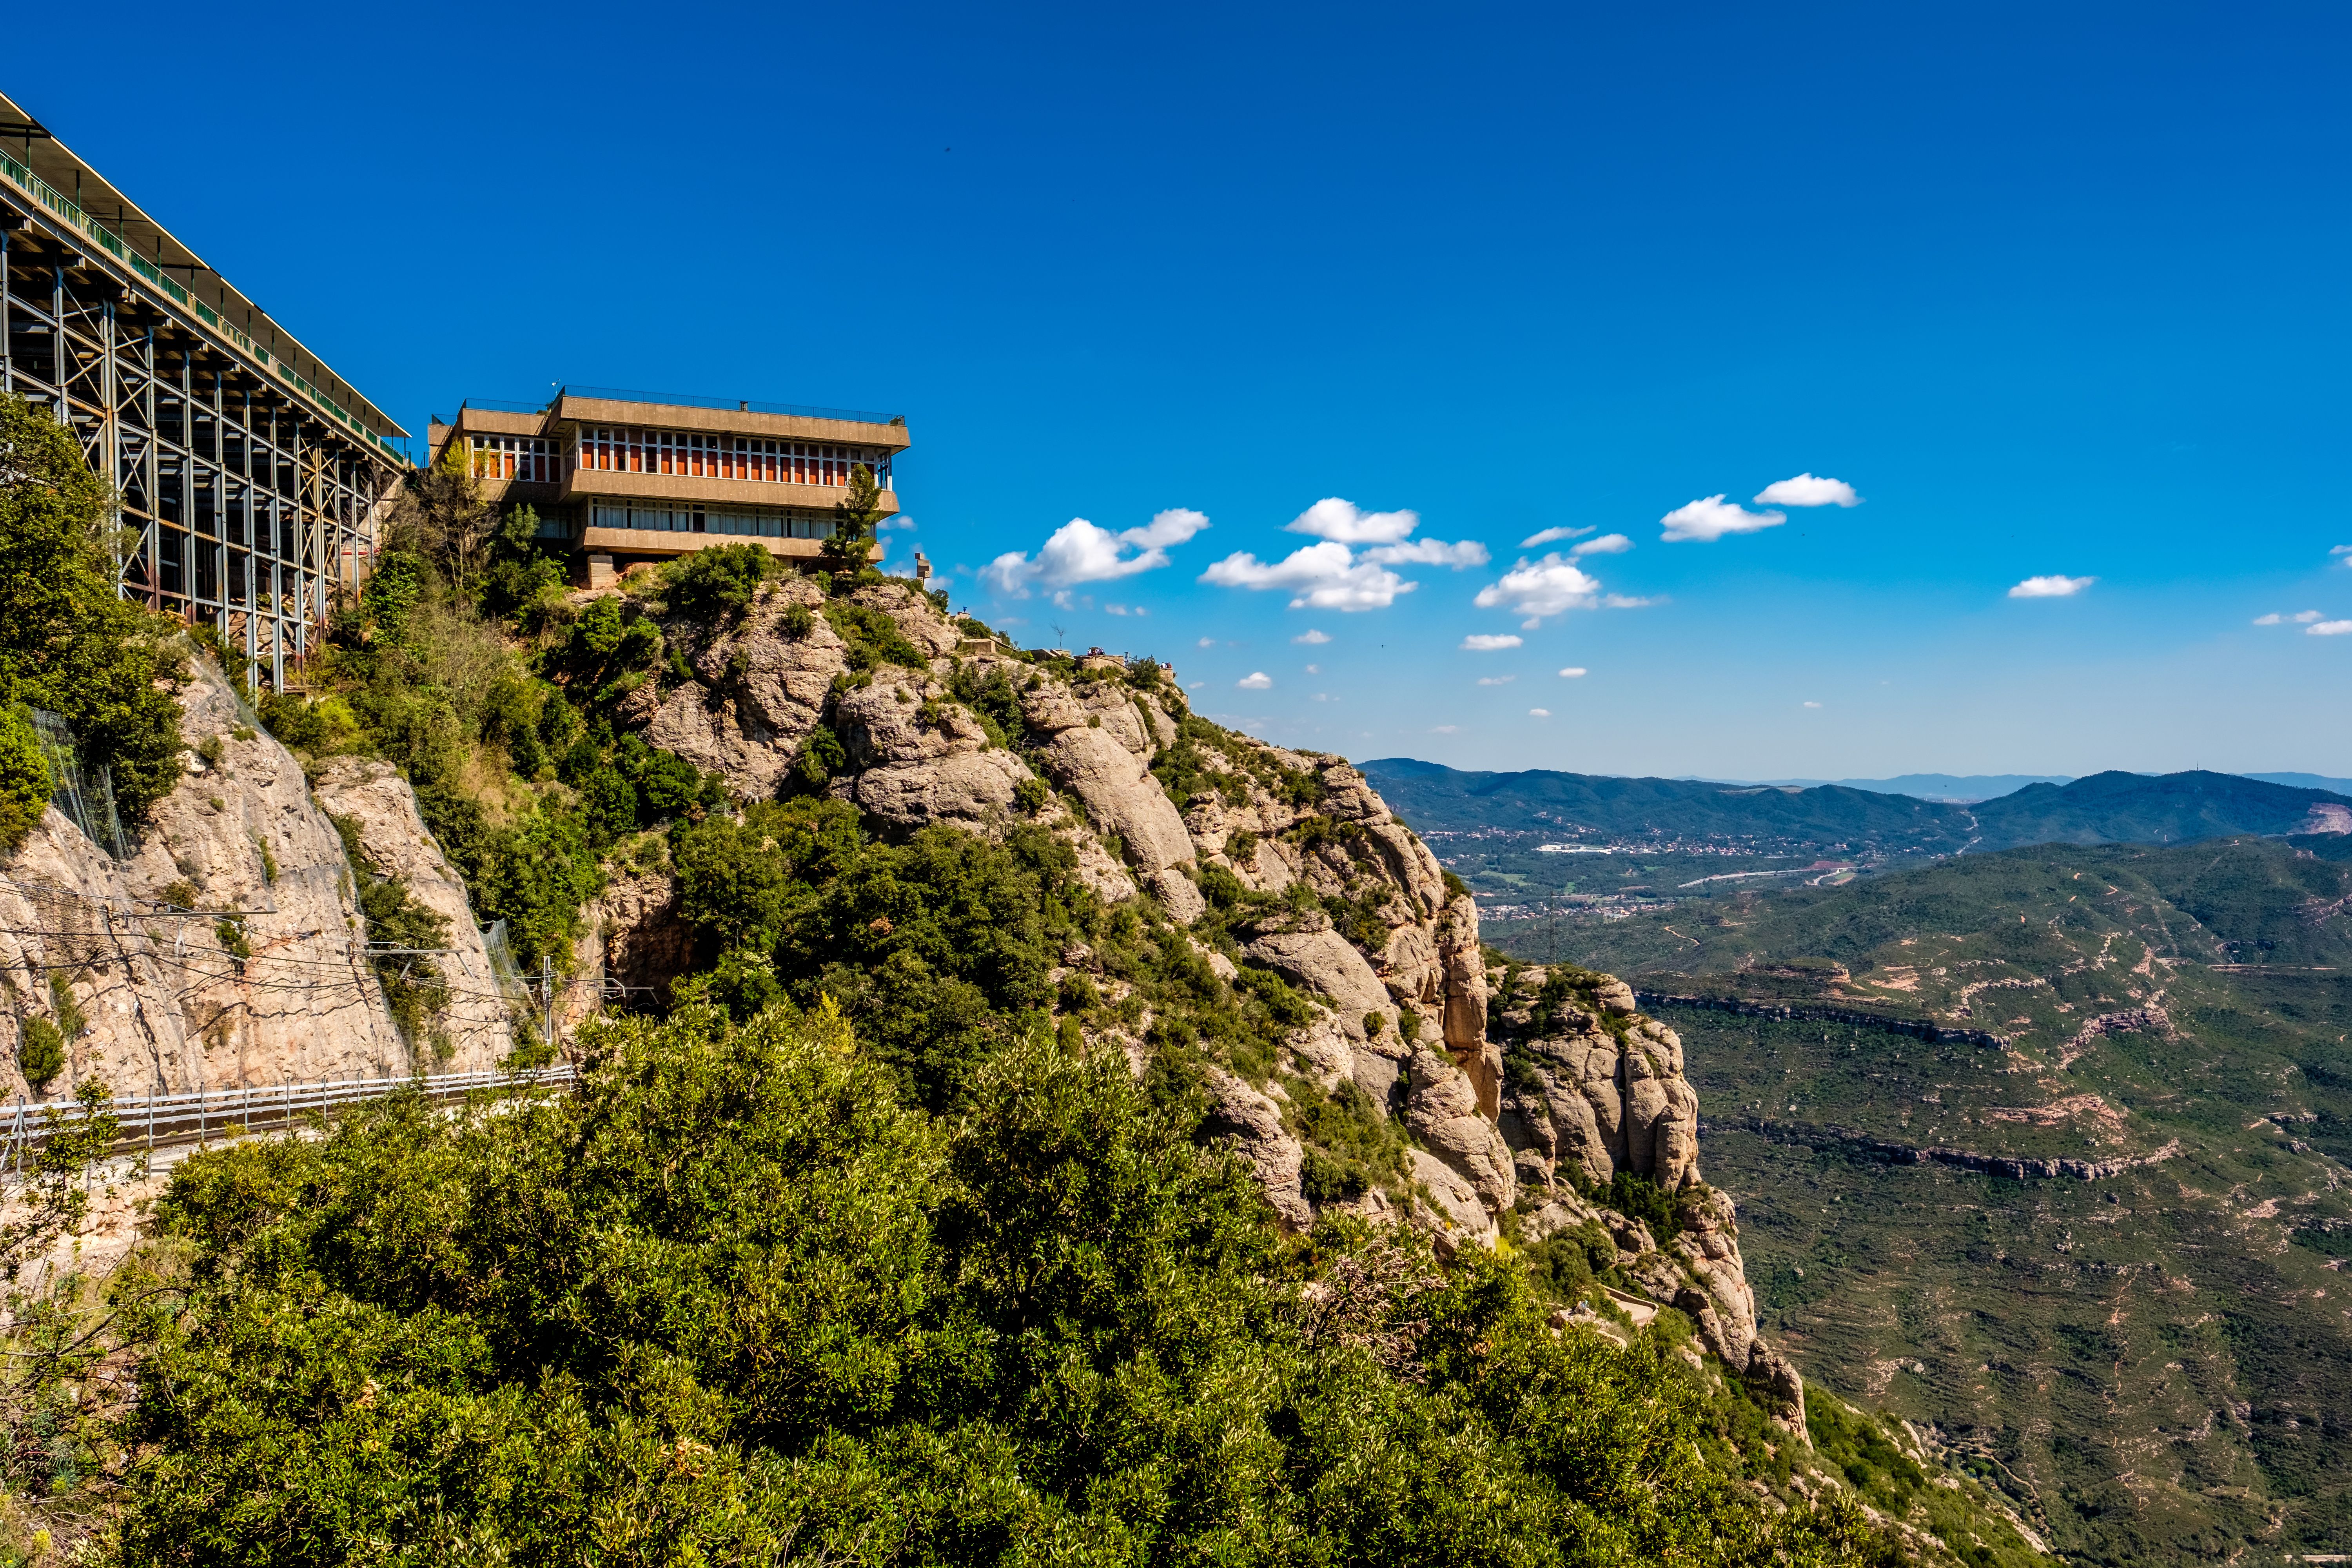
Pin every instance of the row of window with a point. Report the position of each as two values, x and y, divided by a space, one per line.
707 520
530 457
679 452
627 451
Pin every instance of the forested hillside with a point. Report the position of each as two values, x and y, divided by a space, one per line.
2105 808
2153 1358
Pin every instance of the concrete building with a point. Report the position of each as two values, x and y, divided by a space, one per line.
627 476
254 476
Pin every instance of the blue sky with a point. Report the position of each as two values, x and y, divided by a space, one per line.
2058 291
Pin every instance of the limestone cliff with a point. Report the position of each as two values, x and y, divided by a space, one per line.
1595 1089
270 983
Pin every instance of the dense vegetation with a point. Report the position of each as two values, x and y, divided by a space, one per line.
67 643
738 1301
2154 1363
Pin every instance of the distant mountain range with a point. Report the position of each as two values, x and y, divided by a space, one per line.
1967 788
2105 808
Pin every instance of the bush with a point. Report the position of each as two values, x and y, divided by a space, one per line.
24 783
40 1051
1639 1197
709 585
873 639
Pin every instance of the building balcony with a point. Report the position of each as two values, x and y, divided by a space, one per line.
584 484
673 541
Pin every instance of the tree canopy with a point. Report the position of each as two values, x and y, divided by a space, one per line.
68 643
739 1302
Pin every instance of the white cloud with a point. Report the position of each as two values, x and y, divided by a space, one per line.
1552 536
1429 552
1711 518
1342 522
1325 576
1256 681
1443 729
2328 629
1812 704
1314 669
1485 642
901 521
1807 490
1539 712
1312 637
2052 587
1574 672
1208 642
1541 588
1078 551
2341 550
2301 618
1331 575
1496 680
1322 697
1627 601
1607 544
1115 609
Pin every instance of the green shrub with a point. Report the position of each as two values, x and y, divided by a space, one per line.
610 802
24 783
40 1051
873 638
712 584
414 988
323 728
1638 1198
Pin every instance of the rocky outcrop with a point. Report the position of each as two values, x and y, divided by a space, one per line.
920 759
1605 1087
762 682
268 980
1442 1110
478 1023
1251 1121
1598 1090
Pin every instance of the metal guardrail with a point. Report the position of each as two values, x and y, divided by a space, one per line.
149 1120
58 204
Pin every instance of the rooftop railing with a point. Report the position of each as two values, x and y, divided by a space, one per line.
114 245
739 404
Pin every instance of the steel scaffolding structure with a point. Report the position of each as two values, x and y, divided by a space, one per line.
255 490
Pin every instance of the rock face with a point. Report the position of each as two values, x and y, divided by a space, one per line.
478 1023
169 1003
761 691
1597 1090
